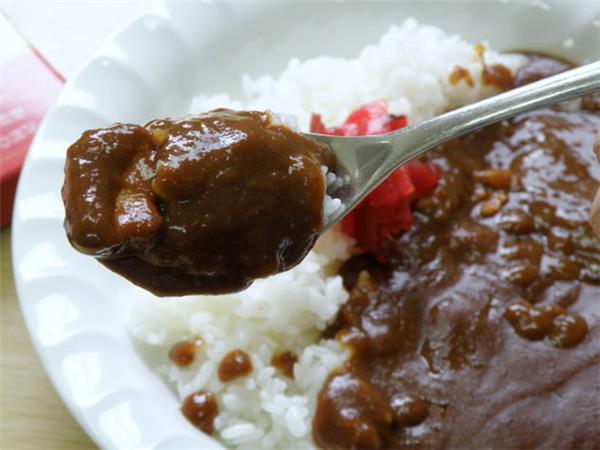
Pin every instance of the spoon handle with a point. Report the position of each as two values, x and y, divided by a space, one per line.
415 140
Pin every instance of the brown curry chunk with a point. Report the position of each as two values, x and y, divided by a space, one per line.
201 409
183 353
205 204
235 364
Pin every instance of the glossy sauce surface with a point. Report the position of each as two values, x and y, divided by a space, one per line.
183 353
204 204
201 409
483 330
234 365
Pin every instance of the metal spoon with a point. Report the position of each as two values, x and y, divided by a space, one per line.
364 162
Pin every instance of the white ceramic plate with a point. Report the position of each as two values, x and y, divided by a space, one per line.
74 308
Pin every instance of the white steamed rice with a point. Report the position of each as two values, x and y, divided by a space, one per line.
409 68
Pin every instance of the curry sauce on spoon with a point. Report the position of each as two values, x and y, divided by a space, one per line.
200 205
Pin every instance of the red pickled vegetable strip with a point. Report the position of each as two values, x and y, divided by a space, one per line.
386 210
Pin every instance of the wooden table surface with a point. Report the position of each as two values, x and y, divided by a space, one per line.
32 416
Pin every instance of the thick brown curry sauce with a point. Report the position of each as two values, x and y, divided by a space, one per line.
483 330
